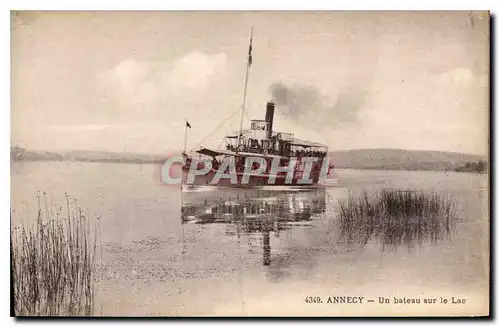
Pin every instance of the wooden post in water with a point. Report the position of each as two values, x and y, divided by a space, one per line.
266 260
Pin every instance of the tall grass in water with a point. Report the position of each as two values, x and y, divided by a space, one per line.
53 263
395 217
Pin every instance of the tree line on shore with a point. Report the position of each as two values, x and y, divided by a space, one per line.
478 167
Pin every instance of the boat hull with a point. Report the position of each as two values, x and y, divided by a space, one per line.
253 181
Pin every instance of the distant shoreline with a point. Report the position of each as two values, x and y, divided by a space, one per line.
363 159
111 161
93 161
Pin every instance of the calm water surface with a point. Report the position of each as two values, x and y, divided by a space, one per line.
154 264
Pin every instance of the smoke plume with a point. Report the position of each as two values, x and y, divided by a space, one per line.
309 106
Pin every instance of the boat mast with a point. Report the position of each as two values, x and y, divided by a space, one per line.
249 63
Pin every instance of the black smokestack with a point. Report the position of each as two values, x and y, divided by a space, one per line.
270 117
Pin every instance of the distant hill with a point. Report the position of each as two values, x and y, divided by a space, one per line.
397 159
20 154
388 159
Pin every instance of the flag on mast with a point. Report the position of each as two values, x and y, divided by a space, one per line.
250 49
187 124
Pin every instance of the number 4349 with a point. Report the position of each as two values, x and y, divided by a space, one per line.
313 299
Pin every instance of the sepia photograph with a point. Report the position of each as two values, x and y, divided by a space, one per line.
250 163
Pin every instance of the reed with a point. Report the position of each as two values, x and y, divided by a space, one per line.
395 217
54 263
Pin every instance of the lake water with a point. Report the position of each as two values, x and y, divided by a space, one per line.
154 264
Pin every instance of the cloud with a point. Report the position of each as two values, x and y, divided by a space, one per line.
196 70
133 82
460 77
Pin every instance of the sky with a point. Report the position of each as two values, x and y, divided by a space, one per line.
127 81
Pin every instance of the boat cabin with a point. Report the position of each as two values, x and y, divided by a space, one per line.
261 139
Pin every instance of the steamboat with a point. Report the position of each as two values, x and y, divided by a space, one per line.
260 140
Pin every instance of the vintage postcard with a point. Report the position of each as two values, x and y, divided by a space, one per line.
249 164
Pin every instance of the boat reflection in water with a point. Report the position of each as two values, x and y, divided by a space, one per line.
254 211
